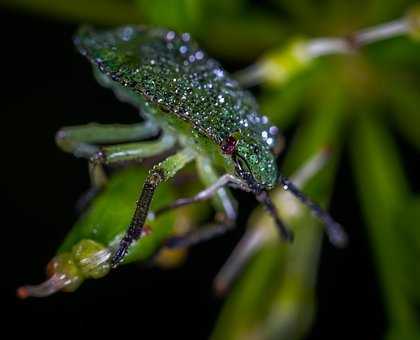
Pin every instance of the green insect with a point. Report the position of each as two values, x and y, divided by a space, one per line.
197 112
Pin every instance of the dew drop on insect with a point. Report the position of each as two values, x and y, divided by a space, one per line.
170 36
185 37
273 130
218 72
171 70
199 55
127 33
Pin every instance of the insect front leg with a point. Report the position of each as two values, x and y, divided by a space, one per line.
260 231
207 193
158 174
204 233
223 201
215 190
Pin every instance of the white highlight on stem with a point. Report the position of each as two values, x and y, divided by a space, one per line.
277 67
54 284
325 46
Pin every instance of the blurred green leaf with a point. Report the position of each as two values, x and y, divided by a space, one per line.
285 274
243 37
382 10
110 214
181 15
110 12
405 103
283 104
384 194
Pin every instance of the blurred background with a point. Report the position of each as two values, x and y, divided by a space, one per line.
364 105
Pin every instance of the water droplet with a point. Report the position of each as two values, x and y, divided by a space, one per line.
273 130
199 55
183 49
170 36
185 37
127 33
218 72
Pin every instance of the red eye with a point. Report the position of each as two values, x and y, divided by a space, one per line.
229 145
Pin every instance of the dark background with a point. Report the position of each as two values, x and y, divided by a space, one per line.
45 85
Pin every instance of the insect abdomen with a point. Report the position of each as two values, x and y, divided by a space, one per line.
172 72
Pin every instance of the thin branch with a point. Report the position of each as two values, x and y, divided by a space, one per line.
276 67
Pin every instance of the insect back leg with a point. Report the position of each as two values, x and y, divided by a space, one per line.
82 141
223 202
159 173
128 152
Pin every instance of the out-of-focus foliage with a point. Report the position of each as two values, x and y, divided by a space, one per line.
390 210
361 98
110 213
286 276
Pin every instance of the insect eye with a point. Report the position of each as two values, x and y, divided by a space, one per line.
228 146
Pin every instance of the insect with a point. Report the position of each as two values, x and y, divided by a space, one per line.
197 111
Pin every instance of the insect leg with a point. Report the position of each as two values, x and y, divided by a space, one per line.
335 232
269 206
122 153
223 201
259 234
208 193
81 140
158 174
202 234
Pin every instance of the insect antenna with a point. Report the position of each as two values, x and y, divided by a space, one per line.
334 230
